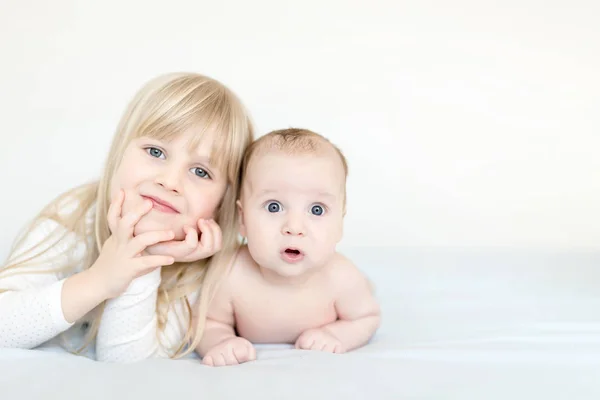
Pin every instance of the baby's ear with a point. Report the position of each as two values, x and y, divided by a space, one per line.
241 218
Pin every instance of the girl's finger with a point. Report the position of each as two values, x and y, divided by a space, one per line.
181 250
217 235
204 247
128 222
191 237
207 238
145 264
114 211
140 242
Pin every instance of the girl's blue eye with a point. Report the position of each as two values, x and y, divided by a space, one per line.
273 207
317 210
200 172
154 152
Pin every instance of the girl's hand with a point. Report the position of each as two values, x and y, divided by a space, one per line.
193 248
122 257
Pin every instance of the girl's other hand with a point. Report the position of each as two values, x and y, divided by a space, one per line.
196 246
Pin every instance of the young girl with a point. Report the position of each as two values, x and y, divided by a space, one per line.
118 263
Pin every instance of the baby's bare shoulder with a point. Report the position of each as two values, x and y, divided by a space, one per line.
344 273
243 270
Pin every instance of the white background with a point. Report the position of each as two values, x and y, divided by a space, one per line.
466 123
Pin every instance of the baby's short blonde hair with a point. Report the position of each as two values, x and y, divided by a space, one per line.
292 141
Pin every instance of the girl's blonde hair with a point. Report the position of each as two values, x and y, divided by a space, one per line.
164 107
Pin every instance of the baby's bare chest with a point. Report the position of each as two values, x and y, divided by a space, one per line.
275 316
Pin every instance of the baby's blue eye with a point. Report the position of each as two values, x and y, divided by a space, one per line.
317 210
273 207
154 152
200 172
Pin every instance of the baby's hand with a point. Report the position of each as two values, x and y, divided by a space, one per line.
320 340
194 247
232 351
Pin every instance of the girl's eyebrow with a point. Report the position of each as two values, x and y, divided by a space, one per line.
201 159
205 161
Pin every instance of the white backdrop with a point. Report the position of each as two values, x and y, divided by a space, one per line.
465 124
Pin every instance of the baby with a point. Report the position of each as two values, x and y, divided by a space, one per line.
288 284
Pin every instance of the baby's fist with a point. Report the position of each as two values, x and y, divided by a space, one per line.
230 351
320 340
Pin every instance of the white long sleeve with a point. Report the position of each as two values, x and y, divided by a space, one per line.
128 329
29 318
31 310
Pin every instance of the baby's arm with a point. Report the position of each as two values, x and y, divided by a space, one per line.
219 345
219 322
357 309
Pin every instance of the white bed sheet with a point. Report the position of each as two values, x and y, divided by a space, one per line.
456 325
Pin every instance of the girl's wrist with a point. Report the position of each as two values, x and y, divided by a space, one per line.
96 284
143 282
80 294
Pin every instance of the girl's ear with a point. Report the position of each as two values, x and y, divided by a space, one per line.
241 218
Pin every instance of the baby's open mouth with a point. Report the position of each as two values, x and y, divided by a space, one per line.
291 255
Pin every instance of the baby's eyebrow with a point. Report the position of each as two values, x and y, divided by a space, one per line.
327 194
266 191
